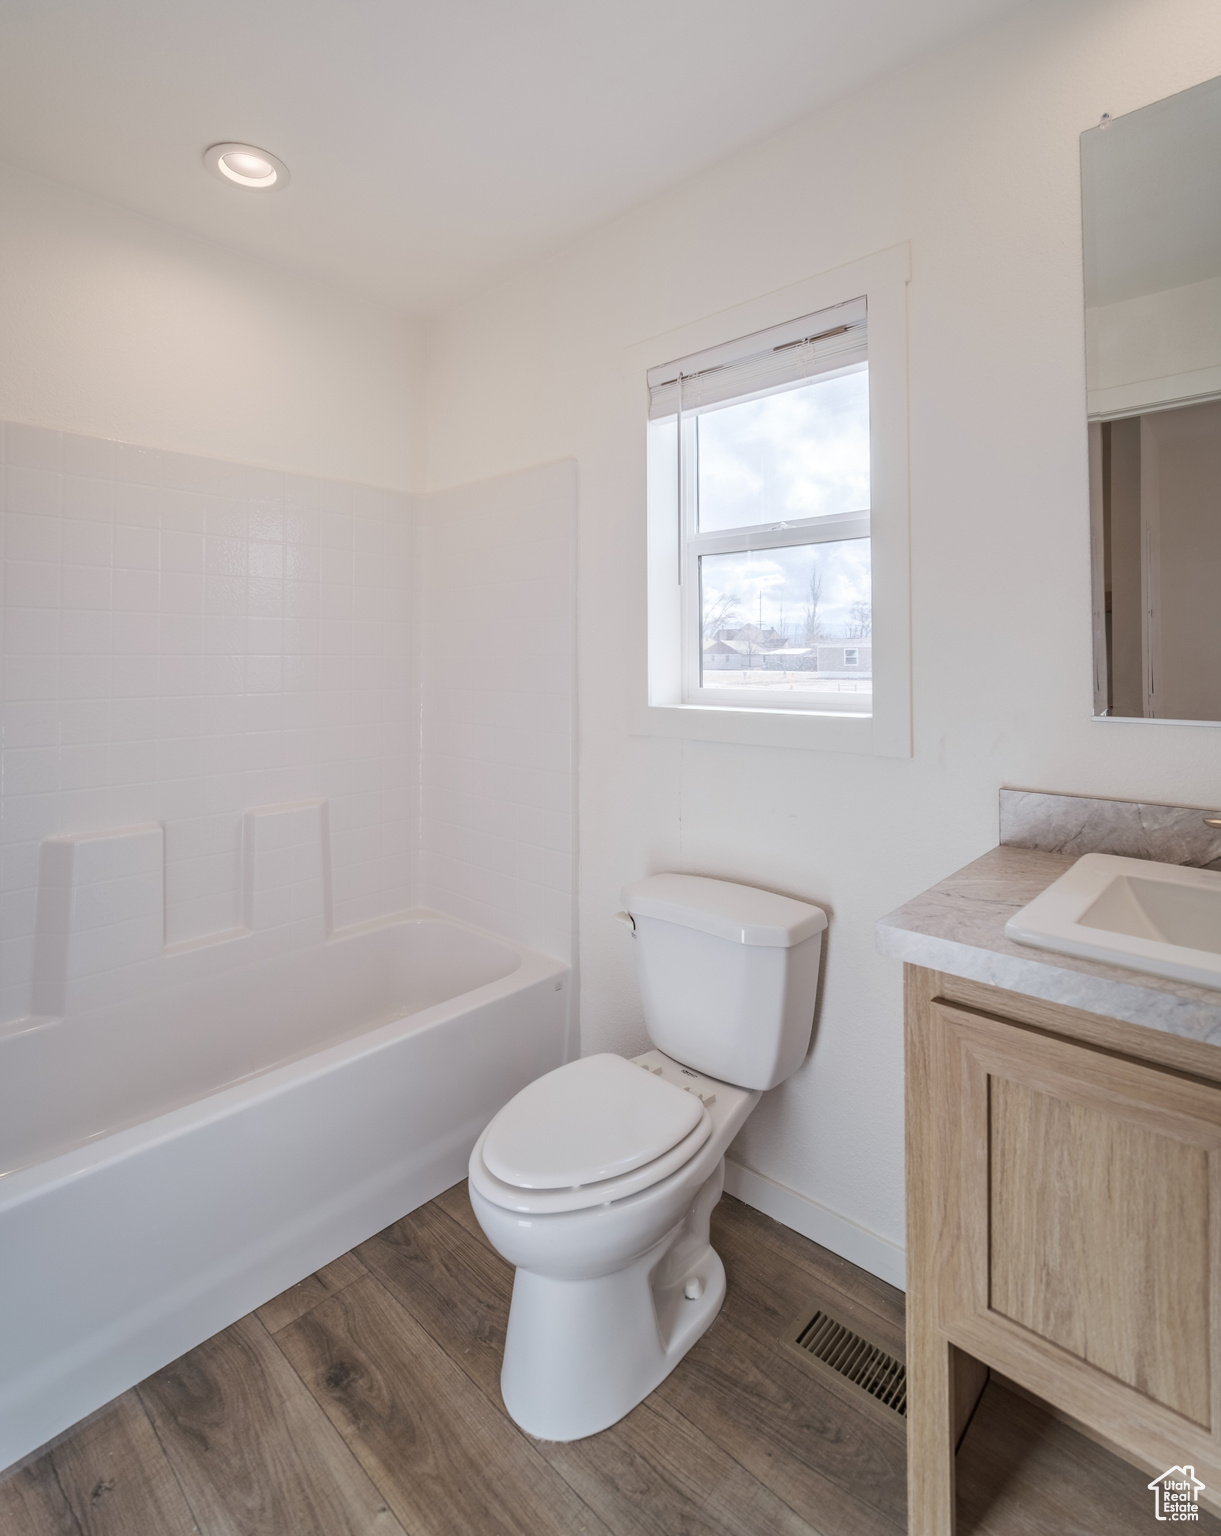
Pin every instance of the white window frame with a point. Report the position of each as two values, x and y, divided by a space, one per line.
695 543
882 280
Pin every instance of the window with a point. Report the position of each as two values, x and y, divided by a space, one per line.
777 517
852 657
770 445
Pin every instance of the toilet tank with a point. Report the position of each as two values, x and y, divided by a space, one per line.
728 975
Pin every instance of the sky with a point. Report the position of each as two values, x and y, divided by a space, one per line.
799 453
773 586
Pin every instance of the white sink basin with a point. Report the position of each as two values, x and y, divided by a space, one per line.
1164 919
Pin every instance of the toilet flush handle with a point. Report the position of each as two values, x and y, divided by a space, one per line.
627 920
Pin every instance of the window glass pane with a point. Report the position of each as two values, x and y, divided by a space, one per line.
801 453
788 620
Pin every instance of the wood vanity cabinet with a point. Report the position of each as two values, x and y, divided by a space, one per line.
1064 1229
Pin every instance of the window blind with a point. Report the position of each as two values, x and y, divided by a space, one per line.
768 360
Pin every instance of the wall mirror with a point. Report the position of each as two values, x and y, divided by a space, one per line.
1151 203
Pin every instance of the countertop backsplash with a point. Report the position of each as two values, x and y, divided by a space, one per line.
1133 829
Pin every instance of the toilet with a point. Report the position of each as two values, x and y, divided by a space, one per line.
598 1180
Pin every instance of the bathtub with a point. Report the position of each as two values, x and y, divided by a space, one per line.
175 1159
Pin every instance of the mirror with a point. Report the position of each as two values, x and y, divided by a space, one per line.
1151 204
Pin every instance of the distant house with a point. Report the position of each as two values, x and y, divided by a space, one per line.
748 648
737 656
722 655
750 637
790 658
847 658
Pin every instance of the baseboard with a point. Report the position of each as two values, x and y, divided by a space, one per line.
856 1244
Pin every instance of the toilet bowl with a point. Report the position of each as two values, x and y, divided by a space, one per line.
600 1312
598 1180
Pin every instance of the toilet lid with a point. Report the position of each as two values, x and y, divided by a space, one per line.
593 1119
548 1202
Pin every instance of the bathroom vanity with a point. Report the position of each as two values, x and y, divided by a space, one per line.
1063 1185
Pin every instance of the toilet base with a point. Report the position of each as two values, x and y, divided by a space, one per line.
580 1354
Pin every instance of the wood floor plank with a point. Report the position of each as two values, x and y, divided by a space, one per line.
456 1288
446 1457
33 1504
108 1477
780 1270
388 1422
116 1478
459 1289
252 1449
293 1303
655 1474
1022 1472
769 1290
826 1459
456 1202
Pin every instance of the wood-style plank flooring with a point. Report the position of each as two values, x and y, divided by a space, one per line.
365 1402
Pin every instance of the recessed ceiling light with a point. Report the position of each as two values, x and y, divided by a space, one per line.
246 166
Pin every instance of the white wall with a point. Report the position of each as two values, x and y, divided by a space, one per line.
117 326
495 605
972 155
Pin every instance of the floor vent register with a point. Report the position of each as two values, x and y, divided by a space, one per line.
830 1346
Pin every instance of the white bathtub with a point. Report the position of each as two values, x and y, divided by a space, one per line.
173 1161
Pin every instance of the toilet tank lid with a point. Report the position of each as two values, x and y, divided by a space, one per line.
740 913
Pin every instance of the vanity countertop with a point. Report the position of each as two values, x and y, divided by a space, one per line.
958 927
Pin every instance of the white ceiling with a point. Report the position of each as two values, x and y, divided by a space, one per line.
432 143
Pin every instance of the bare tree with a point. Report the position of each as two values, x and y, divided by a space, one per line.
860 623
720 614
813 626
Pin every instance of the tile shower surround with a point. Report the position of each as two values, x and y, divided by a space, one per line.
186 639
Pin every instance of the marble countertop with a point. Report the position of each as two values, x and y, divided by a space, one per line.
959 927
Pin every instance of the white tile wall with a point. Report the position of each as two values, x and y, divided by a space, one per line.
184 639
497 673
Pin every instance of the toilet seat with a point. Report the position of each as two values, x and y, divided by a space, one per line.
585 1122
594 1131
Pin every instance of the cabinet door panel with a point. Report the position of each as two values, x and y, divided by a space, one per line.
1099 1231
1079 1246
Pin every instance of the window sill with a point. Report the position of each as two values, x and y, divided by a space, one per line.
803 729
